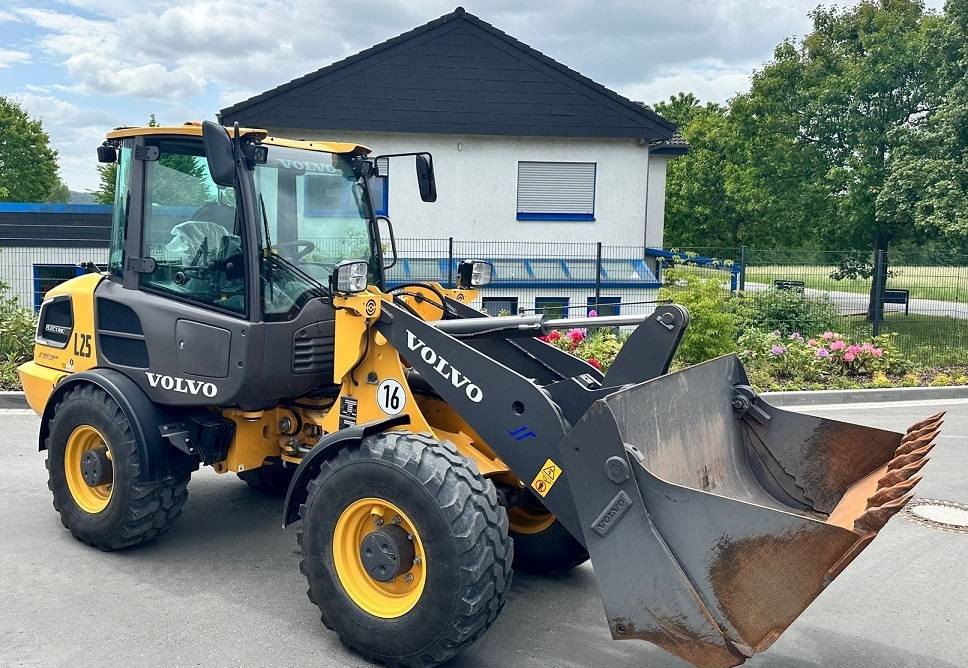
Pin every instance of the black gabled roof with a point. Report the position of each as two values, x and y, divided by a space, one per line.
456 74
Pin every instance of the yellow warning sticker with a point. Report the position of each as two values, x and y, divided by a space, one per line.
545 480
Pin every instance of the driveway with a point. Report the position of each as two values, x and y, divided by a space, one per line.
223 589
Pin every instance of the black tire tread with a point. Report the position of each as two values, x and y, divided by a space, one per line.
477 520
153 506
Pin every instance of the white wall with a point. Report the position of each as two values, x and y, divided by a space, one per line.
477 186
655 215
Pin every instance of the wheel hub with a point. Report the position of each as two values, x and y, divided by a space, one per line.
387 553
96 467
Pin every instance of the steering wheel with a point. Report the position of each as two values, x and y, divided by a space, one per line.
302 248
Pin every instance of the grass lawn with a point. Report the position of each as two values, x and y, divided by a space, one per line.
926 282
929 340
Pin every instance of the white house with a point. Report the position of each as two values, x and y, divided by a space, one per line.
532 159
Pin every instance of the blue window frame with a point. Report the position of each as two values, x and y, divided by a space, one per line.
49 276
556 191
553 307
606 305
500 305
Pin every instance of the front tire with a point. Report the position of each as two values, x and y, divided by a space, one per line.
451 562
94 474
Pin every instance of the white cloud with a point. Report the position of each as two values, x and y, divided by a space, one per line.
709 84
10 57
74 131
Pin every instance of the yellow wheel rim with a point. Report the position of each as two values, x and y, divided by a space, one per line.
527 520
386 600
89 499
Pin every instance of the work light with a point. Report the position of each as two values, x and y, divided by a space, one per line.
349 277
474 273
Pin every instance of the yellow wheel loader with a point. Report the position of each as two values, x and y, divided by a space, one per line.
243 322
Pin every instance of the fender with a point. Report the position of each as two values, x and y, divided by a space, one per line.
327 447
158 457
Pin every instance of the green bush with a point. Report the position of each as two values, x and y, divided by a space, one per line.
789 311
17 327
715 317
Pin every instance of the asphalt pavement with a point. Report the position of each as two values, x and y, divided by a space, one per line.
223 588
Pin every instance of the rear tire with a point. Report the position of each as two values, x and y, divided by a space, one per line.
271 478
126 512
454 519
542 545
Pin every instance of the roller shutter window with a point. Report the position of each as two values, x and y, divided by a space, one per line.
556 191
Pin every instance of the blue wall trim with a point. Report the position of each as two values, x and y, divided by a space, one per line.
38 207
561 217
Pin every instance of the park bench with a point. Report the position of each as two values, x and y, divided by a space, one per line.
783 284
898 296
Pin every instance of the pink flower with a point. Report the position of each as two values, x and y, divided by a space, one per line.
592 313
877 352
576 336
838 345
777 350
848 356
796 336
551 336
826 336
812 343
854 348
595 363
822 352
867 348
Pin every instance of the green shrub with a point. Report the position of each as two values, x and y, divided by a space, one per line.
598 347
715 317
789 311
17 327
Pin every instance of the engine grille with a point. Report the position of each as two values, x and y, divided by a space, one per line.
313 348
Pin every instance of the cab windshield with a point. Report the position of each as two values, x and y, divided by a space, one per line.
315 215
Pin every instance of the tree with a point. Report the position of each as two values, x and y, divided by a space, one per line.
28 164
60 194
862 77
107 177
927 184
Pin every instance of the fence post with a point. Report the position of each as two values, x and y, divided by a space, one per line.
450 262
742 268
878 302
598 274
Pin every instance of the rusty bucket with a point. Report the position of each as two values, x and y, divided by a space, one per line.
720 517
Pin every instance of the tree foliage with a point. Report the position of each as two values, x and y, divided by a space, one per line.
854 137
28 164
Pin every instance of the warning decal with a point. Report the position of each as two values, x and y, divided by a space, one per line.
545 480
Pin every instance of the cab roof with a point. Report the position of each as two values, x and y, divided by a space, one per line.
195 130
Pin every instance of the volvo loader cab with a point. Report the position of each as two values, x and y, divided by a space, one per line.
424 449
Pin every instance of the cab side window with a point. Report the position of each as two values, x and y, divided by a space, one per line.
191 229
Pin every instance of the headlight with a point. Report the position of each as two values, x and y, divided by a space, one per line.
474 273
349 277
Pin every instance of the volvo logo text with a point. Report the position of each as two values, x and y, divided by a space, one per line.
183 385
444 368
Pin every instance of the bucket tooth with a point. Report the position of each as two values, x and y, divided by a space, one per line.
911 446
912 435
875 518
930 420
892 478
882 496
903 460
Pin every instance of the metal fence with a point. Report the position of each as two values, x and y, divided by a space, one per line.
922 298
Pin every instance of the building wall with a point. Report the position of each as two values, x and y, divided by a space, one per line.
655 215
17 265
477 186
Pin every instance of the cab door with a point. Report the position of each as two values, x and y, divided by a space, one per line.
179 294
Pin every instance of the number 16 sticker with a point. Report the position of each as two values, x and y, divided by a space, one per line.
391 397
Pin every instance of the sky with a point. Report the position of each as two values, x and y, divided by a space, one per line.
86 66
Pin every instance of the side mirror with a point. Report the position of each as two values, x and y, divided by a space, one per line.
107 153
219 153
425 177
385 231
